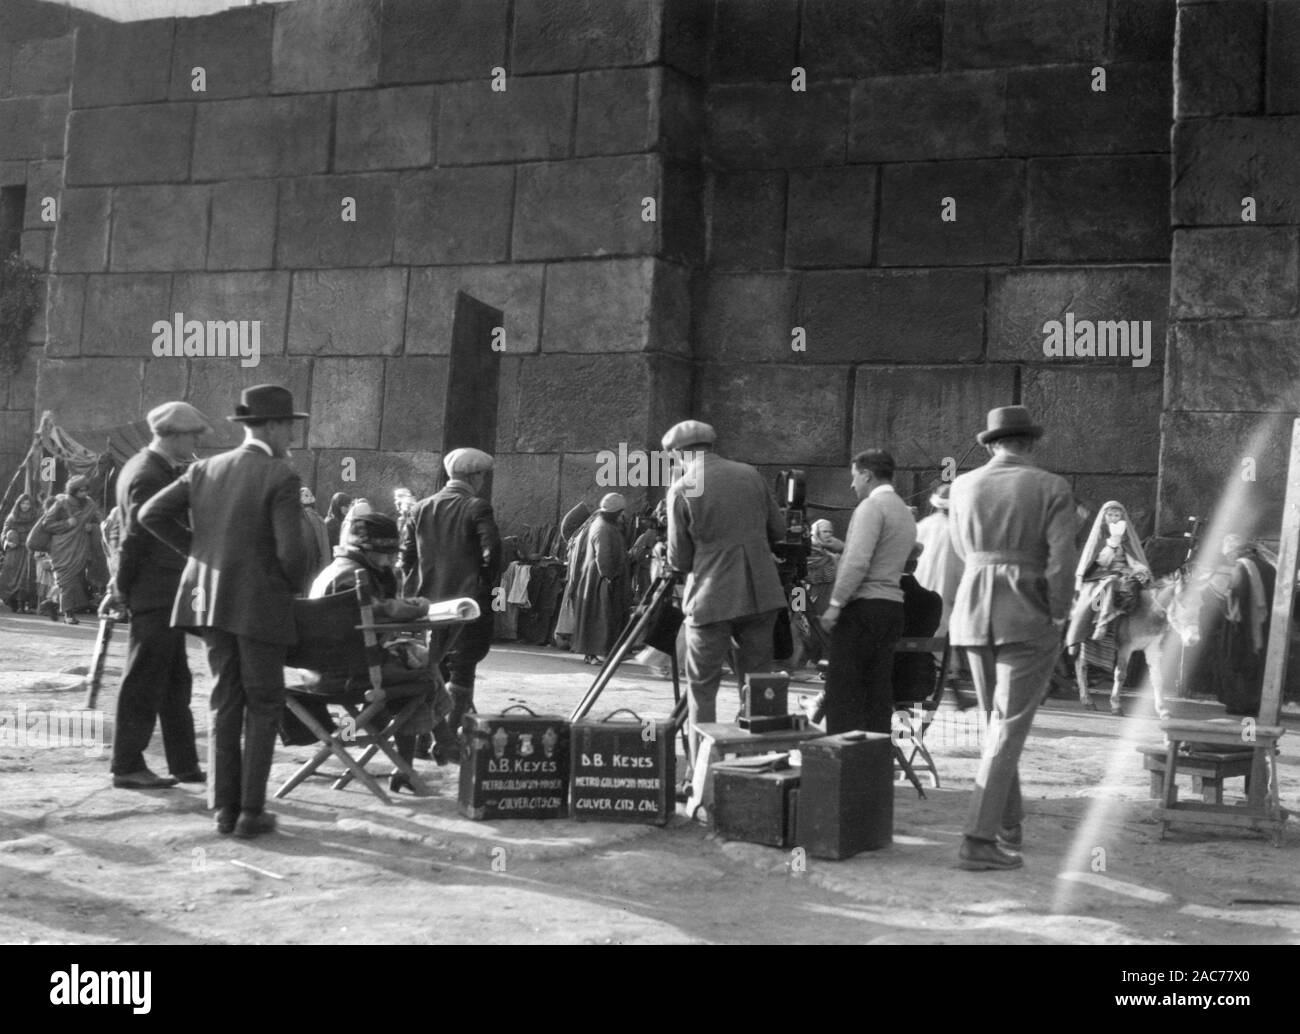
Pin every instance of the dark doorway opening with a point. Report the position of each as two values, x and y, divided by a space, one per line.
13 202
470 414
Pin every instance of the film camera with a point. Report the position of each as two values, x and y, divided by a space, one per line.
792 550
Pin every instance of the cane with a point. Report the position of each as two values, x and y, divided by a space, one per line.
109 616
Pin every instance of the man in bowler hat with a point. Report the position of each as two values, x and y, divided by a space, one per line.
237 516
1012 525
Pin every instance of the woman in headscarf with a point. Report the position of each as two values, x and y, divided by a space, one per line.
1112 569
72 519
572 530
338 508
600 600
18 573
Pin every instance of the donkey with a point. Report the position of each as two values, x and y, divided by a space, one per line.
1172 604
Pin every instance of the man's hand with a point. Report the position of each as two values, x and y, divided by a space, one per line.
829 617
114 603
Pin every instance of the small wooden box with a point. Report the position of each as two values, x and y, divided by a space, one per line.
755 804
846 796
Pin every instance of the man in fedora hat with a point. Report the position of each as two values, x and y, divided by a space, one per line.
1012 525
237 517
156 682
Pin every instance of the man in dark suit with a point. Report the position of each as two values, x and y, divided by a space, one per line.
156 683
453 548
246 559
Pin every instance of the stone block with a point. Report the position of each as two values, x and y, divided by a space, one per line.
747 220
264 136
578 482
525 490
242 235
88 395
531 120
770 126
325 45
385 129
450 216
166 380
681 122
260 296
36 329
145 144
1219 162
415 398
122 63
377 474
776 413
567 35
671 308
313 233
1141 31
32 127
1056 111
437 40
40 66
65 303
346 402
215 386
850 39
347 312
1283 59
13 173
515 289
1098 421
585 208
831 215
614 407
1217 59
35 247
15 435
618 111
747 317
1110 209
508 378
923 414
1235 365
159 228
25 19
1246 271
681 213
1004 33
687 27
916 117
120 312
868 316
599 307
989 205
1136 493
234 50
22 386
754 40
81 232
44 180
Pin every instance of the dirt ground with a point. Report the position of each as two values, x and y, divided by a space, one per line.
81 862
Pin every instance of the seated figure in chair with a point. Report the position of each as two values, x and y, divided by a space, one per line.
1112 570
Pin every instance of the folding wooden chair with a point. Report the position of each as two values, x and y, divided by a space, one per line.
928 696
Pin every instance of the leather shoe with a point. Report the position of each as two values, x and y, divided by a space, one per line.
197 776
1011 836
978 855
253 824
397 782
226 818
143 780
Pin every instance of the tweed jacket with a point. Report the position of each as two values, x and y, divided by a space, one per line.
148 570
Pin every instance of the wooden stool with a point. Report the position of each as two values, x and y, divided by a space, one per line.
1208 771
720 739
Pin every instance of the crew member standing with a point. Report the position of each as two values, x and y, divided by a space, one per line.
1012 525
239 519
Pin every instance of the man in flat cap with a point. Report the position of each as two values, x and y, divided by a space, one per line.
452 547
156 682
238 518
1012 525
723 520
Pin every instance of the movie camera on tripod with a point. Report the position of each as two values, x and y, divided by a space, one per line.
793 548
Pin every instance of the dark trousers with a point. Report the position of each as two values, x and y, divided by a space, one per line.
247 700
458 668
156 687
860 683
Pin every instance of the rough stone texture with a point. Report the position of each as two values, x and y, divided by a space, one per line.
242 235
415 396
41 66
585 208
686 28
325 45
144 144
578 483
681 214
1284 58
233 49
449 216
681 121
265 136
598 306
1235 365
347 312
525 490
385 129
770 126
670 322
88 394
15 434
35 247
561 35
313 234
32 127
747 220
1217 162
260 296
748 318
159 228
1136 493
437 40
122 63
614 403
13 173
618 110
1056 111
346 395
1107 209
831 216
1246 271
923 414
44 179
81 233
1141 31
931 316
532 119
215 385
120 310
918 117
847 38
1217 68
377 473
30 19
22 385
749 406
515 289
1076 405
508 378
166 380
65 303
999 33
754 40
671 382
1022 300
989 202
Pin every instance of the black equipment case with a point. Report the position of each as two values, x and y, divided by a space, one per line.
846 797
514 766
755 799
624 771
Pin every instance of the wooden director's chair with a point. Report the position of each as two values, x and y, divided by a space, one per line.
929 697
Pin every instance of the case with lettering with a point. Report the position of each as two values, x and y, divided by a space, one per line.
846 794
625 770
514 766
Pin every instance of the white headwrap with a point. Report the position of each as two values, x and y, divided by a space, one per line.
1097 537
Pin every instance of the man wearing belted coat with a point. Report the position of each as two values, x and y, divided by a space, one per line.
237 517
1012 524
